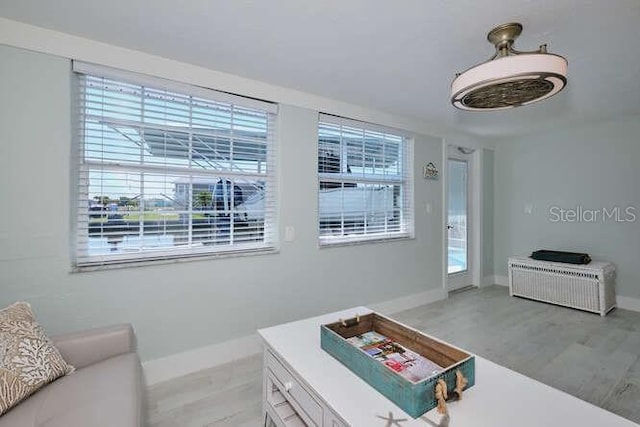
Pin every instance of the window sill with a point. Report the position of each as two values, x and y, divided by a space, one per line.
173 260
329 243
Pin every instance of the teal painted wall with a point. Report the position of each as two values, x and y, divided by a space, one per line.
488 167
593 166
183 306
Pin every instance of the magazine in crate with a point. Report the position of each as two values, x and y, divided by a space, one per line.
405 362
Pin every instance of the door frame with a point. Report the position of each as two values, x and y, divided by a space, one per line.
474 194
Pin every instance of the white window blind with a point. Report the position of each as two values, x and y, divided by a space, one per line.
165 174
364 180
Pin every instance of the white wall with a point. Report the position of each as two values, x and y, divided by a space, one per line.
177 307
594 166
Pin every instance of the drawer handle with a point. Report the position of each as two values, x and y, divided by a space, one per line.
288 386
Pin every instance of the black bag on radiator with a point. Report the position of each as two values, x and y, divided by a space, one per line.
560 256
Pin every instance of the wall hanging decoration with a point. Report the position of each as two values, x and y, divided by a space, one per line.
510 78
430 171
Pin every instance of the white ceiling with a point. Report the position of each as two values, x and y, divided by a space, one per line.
394 56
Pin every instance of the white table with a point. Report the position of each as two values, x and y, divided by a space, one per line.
295 362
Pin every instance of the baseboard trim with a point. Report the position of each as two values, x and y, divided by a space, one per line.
180 364
501 280
188 362
488 281
409 301
628 303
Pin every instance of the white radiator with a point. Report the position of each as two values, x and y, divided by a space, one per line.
588 287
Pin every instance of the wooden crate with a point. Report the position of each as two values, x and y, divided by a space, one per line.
415 398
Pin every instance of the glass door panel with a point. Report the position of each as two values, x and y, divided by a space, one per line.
458 215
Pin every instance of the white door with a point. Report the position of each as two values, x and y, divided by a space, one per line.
458 220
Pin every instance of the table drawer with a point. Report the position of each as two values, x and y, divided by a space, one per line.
293 390
279 408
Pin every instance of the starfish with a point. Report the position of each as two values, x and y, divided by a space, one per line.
392 421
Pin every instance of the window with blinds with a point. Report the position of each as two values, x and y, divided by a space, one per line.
364 181
167 172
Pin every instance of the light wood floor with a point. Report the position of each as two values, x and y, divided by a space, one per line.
596 359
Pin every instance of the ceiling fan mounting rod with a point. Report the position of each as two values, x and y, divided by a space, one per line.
503 38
